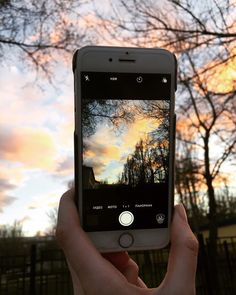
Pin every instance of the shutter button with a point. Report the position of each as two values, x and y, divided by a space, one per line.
126 218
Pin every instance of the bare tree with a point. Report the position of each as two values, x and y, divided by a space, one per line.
148 163
11 230
188 182
36 32
203 37
96 111
52 216
206 113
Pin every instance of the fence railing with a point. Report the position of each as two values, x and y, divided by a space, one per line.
40 268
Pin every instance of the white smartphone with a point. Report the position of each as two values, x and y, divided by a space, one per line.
124 145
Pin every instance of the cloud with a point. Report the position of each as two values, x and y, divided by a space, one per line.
26 105
33 148
101 148
139 129
97 163
5 185
5 198
107 149
36 126
50 200
32 207
97 148
11 177
65 167
24 219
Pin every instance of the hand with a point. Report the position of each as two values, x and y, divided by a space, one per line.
116 273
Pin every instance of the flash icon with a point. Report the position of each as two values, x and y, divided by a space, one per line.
86 77
164 80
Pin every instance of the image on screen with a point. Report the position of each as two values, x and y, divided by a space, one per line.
125 145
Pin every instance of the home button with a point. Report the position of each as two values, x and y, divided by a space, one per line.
126 240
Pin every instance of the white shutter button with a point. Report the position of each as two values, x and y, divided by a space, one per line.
126 218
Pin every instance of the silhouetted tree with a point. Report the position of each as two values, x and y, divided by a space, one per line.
188 183
11 230
148 163
97 111
203 37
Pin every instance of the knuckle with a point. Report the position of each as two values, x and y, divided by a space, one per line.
192 244
65 196
135 267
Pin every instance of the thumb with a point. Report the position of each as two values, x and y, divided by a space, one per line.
182 264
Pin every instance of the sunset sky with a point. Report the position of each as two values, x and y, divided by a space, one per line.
36 133
109 146
36 146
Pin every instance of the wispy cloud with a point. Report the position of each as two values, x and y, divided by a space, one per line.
5 197
43 201
65 167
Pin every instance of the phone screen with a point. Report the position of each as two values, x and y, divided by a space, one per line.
125 119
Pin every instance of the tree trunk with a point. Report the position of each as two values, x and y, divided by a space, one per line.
193 205
213 227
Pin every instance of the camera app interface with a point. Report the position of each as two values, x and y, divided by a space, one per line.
125 142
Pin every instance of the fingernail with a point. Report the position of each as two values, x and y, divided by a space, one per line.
182 213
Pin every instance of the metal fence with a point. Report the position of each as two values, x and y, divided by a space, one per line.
225 283
40 268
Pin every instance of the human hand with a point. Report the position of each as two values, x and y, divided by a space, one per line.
116 273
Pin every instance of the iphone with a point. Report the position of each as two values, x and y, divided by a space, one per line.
124 145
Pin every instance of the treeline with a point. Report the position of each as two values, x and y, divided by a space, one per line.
148 163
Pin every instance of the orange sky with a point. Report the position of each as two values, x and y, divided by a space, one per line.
36 144
221 78
101 157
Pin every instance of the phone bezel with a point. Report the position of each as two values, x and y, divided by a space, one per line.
108 59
